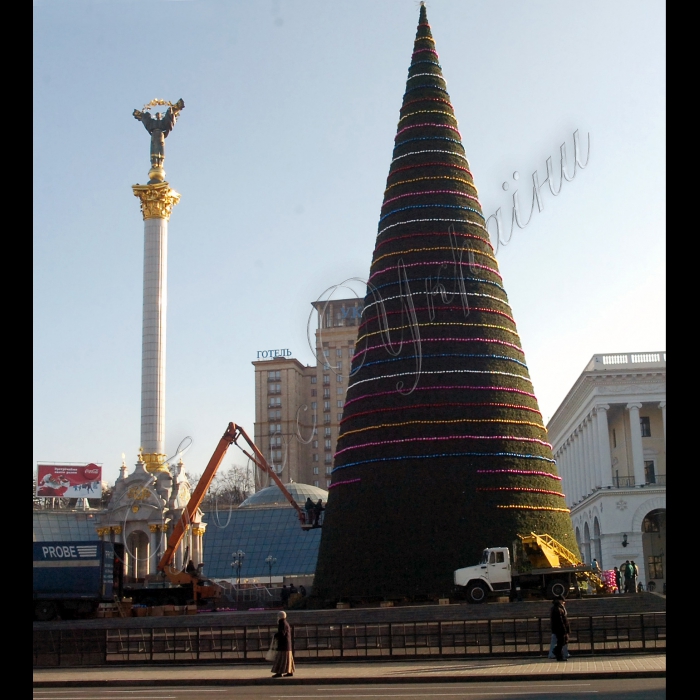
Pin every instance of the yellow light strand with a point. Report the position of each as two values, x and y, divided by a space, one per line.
425 325
421 250
444 422
429 111
435 177
558 510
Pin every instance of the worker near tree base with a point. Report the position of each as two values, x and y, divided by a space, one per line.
560 626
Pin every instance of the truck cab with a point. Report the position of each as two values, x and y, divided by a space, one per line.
492 574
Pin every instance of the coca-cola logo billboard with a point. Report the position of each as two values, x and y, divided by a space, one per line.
69 480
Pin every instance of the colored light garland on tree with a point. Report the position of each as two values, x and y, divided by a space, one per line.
523 472
343 483
428 206
523 488
558 510
443 354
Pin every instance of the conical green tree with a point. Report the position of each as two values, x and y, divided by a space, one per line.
442 450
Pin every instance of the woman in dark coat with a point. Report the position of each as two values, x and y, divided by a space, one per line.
560 626
284 661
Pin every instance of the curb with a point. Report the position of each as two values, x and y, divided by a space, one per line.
352 680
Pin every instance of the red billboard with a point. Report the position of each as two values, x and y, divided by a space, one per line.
69 481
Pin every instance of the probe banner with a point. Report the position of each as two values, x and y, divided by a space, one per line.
69 481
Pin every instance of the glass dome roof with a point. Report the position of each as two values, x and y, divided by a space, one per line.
271 495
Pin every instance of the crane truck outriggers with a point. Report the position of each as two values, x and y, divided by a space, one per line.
548 570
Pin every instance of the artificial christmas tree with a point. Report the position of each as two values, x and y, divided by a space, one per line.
442 450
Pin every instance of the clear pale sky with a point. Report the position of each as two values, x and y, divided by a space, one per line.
281 156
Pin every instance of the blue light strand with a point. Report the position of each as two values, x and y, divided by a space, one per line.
431 206
413 357
444 454
419 221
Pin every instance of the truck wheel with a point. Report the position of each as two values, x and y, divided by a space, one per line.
557 587
45 611
477 592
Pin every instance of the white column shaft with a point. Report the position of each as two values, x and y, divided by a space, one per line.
153 559
595 452
636 439
662 406
155 278
590 461
604 445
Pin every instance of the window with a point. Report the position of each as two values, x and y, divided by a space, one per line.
328 458
313 380
326 378
339 366
500 558
645 426
492 558
329 470
276 442
316 482
340 403
328 483
327 432
339 391
314 458
274 402
339 378
274 389
315 470
614 438
340 416
326 393
315 431
315 444
326 417
276 455
275 428
313 392
326 366
327 444
326 352
272 375
655 567
326 405
313 405
274 415
649 472
339 352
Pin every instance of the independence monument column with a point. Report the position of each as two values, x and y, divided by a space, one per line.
157 202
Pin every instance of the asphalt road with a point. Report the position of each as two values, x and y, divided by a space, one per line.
614 689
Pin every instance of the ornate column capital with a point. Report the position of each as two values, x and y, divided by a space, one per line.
102 531
163 528
662 404
154 462
157 201
602 407
632 406
154 528
117 529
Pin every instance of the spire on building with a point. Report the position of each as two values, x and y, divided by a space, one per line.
442 449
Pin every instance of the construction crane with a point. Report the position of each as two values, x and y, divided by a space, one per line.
231 436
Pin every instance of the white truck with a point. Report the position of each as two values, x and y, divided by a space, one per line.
548 570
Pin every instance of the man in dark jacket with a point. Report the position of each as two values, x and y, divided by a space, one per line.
560 626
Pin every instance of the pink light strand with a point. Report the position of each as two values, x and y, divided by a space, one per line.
342 483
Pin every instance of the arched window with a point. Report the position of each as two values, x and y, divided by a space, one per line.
578 540
586 544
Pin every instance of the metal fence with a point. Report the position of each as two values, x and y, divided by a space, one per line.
401 640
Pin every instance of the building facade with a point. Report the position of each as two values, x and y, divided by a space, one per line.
609 439
298 408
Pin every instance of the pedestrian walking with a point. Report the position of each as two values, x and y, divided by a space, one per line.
560 626
284 595
618 580
284 660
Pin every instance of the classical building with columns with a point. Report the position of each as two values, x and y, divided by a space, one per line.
609 440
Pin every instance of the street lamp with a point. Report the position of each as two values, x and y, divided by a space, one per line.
270 560
237 563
